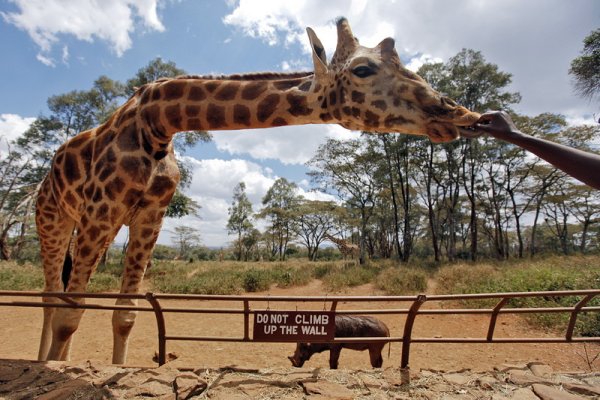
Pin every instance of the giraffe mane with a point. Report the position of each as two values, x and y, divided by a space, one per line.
255 76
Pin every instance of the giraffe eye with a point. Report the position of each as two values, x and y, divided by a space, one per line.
363 71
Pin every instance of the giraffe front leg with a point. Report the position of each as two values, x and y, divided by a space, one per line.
143 233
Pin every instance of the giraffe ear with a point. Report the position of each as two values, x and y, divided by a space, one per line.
318 55
388 50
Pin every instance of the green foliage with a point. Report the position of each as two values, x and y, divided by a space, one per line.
355 275
225 277
256 280
551 274
585 69
104 282
15 276
402 281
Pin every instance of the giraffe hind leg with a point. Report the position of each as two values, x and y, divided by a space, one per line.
86 255
54 231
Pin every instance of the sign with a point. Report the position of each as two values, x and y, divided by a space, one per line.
294 326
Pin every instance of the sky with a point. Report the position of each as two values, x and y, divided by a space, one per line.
51 47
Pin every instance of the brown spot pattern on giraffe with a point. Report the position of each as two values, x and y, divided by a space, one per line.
241 115
253 90
215 116
266 107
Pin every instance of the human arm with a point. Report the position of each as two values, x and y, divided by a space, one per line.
581 165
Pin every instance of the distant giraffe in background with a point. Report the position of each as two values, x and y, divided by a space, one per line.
124 171
345 247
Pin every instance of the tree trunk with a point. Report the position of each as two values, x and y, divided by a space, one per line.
394 201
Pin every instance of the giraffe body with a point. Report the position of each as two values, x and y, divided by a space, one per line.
348 249
124 172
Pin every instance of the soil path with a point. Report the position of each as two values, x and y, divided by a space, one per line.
20 330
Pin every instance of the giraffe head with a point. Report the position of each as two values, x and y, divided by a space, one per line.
369 89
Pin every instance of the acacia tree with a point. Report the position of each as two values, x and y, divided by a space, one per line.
584 203
314 219
345 167
279 203
479 86
186 238
585 69
240 215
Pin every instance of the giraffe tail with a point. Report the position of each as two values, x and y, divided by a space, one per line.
67 267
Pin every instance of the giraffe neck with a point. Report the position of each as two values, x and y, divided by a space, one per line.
237 102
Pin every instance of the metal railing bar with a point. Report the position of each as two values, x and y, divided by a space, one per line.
430 298
70 305
505 310
241 339
506 340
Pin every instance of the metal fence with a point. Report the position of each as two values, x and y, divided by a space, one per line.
412 309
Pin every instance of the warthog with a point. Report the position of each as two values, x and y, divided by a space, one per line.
346 326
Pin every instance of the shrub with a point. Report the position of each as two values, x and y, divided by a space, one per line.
256 280
352 276
401 281
20 277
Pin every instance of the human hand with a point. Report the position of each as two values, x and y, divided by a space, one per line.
496 123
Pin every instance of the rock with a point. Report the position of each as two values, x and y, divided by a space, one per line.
458 379
524 394
523 378
110 380
540 369
487 382
188 385
550 393
586 390
509 367
75 389
10 372
327 389
150 389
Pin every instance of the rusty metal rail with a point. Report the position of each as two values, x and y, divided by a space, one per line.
155 304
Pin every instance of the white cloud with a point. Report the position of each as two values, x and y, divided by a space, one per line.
522 38
417 61
11 127
112 21
212 187
289 144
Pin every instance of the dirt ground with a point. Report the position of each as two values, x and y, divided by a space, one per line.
21 327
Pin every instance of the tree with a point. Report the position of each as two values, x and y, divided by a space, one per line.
186 238
479 86
585 69
584 203
313 219
279 203
240 214
346 168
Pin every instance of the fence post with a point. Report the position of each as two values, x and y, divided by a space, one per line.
246 320
573 319
406 338
160 324
494 317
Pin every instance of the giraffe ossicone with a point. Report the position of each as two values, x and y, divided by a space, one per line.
124 172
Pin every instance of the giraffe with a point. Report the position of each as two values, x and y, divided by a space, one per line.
123 172
345 247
